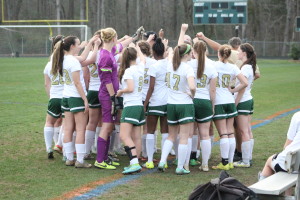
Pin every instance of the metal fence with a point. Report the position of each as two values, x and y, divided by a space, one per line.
35 42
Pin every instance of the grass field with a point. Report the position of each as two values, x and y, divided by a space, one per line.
26 173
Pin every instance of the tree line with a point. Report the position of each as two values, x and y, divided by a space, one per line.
268 20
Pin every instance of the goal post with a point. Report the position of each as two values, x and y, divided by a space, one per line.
33 40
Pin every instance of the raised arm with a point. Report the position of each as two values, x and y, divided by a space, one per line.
93 58
183 30
87 49
214 45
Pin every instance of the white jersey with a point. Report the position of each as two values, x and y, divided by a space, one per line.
203 84
226 73
160 94
57 83
94 83
135 73
247 71
149 63
178 92
70 65
294 135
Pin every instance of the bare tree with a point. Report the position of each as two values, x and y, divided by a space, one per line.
289 4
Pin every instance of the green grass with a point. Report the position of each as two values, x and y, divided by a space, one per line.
26 173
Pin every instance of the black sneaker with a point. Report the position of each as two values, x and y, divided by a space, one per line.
237 158
50 155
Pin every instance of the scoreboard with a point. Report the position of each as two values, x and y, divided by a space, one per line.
220 12
298 23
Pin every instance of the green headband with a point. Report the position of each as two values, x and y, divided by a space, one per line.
187 49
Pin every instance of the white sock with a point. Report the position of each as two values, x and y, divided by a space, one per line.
194 143
251 148
232 145
246 151
155 141
206 150
134 161
80 152
176 146
166 150
98 129
224 148
48 135
56 133
164 136
198 153
74 139
144 148
212 139
112 141
182 153
117 142
89 140
150 146
189 150
60 137
69 150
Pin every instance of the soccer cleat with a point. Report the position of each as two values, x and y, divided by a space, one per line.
112 154
89 157
241 164
149 165
162 166
82 165
103 165
64 159
50 155
221 166
58 149
231 166
182 171
113 159
194 162
135 168
70 162
110 161
204 168
236 158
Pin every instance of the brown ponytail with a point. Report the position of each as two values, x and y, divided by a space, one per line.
200 48
225 52
58 54
251 56
129 54
179 52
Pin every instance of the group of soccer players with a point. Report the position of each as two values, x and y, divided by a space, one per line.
121 89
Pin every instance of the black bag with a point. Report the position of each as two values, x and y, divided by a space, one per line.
223 188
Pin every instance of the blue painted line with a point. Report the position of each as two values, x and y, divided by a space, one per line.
98 191
275 118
